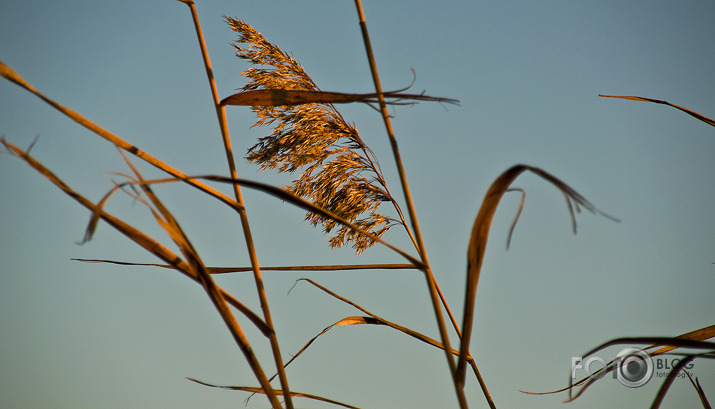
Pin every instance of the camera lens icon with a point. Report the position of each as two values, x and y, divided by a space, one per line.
635 367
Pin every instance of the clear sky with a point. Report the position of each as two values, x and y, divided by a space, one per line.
528 75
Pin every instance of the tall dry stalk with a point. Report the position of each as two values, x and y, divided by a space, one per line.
258 279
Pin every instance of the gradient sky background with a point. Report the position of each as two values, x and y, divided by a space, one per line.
528 75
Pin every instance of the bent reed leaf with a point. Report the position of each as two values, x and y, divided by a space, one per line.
354 320
339 172
480 236
658 101
278 97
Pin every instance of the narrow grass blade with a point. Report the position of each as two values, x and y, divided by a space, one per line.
516 216
354 320
480 235
254 389
669 381
697 335
226 270
377 319
657 101
279 97
12 76
336 267
699 390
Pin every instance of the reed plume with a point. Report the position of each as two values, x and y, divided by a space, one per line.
339 172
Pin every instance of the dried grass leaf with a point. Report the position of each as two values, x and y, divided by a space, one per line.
149 244
12 76
480 236
374 319
281 97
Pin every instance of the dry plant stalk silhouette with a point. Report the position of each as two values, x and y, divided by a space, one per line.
342 188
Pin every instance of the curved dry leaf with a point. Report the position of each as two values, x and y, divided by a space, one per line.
378 320
354 320
480 236
517 215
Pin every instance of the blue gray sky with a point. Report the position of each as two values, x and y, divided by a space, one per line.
528 75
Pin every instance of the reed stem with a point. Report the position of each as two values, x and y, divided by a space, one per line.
221 115
431 283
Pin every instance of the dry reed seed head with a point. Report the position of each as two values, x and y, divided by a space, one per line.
338 171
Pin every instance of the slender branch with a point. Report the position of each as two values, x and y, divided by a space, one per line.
221 115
